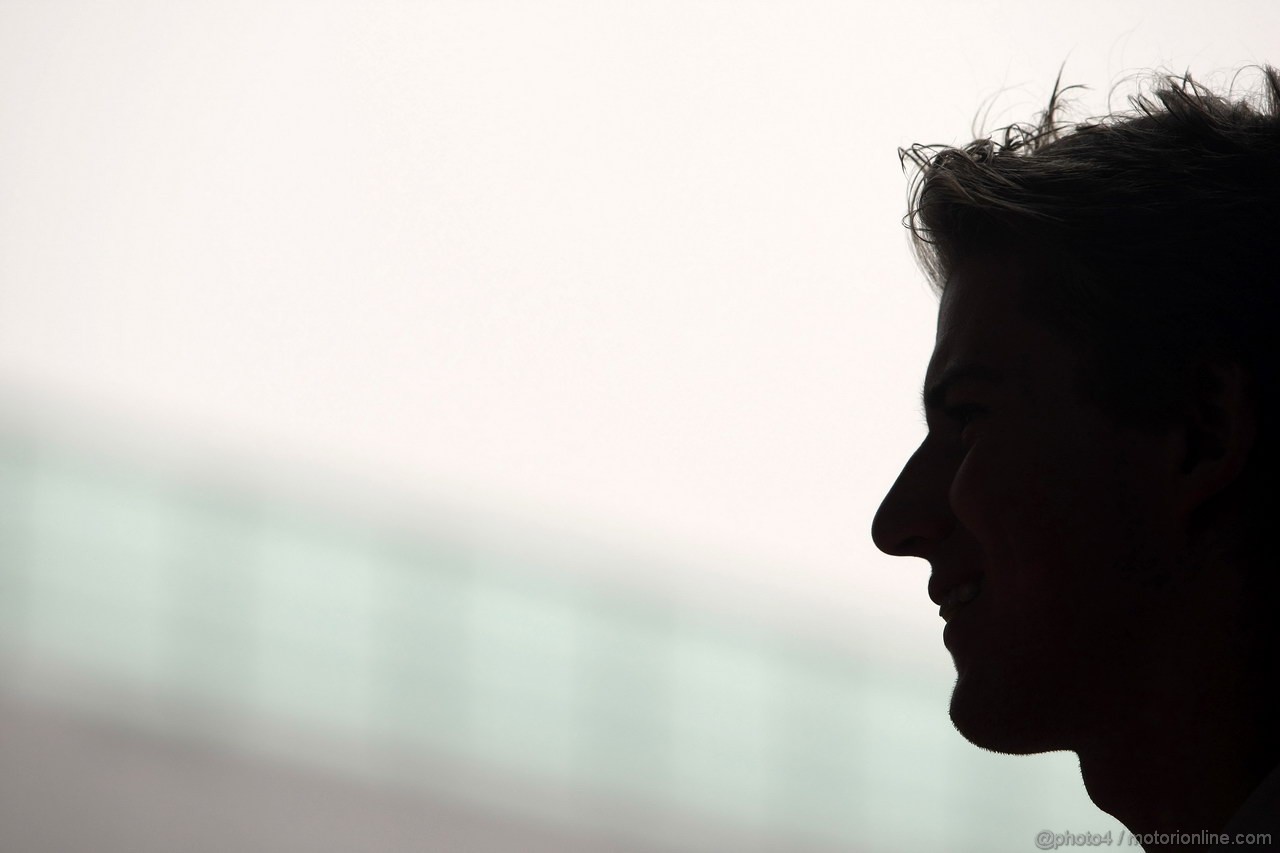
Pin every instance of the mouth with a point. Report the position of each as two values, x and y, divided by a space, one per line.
957 598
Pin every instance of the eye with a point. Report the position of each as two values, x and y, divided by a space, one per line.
963 415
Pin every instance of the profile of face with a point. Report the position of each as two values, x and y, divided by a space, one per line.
1045 524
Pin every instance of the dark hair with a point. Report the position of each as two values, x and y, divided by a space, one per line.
1152 236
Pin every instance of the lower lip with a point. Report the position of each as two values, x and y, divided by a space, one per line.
949 632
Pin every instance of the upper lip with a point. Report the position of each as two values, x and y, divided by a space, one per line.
945 589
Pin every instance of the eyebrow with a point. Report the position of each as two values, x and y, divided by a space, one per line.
934 395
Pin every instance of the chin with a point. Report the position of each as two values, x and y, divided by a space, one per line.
1000 719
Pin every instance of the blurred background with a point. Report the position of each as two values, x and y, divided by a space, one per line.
457 425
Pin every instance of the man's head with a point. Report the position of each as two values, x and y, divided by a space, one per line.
1101 408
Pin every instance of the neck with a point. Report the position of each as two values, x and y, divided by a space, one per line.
1183 762
1154 792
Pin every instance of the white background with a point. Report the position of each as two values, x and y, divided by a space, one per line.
632 272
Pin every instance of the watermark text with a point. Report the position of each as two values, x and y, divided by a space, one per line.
1047 839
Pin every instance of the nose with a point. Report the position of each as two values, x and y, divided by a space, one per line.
916 514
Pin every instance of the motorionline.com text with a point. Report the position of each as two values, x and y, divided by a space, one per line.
1047 839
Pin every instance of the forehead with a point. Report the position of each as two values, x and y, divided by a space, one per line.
982 319
981 295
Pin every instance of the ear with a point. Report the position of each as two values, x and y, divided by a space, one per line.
1222 426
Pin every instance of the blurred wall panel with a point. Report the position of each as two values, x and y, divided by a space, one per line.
188 663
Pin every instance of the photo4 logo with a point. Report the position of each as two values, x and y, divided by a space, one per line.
1049 840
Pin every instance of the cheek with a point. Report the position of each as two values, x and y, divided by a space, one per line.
967 494
1007 501
988 488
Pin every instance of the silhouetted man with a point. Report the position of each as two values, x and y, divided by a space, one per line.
1093 494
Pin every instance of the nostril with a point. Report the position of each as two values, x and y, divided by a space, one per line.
880 531
891 530
916 513
908 526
